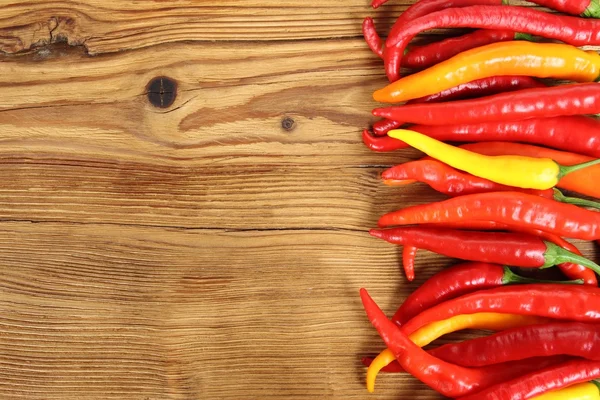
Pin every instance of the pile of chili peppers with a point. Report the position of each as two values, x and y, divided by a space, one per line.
502 145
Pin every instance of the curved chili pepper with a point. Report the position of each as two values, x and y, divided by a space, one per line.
372 37
452 182
527 341
512 208
448 379
516 249
578 134
553 338
583 181
435 330
454 282
540 382
571 30
421 57
571 270
481 87
585 8
546 102
518 171
580 391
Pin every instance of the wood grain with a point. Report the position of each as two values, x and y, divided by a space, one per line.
107 26
209 250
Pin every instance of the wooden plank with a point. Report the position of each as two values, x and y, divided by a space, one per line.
115 312
107 26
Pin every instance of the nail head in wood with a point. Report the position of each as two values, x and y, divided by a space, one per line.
162 91
288 123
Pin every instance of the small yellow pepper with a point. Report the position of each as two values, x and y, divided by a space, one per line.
542 60
517 171
431 332
581 391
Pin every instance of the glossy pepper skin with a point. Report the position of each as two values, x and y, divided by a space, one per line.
452 182
578 134
540 382
511 208
516 249
548 339
448 379
435 330
546 102
572 30
565 302
517 171
454 282
580 391
582 181
481 87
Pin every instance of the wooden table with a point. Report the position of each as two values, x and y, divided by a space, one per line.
185 201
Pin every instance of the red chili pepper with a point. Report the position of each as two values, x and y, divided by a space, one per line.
409 253
550 339
421 57
512 208
372 37
571 270
454 282
452 182
540 382
571 30
580 7
515 249
573 99
481 87
523 366
564 302
577 134
448 379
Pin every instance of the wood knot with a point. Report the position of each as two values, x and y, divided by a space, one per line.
162 91
288 124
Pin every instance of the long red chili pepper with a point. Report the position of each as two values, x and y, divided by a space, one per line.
549 339
454 282
542 340
571 270
512 208
571 30
448 379
516 249
579 7
523 366
574 99
540 382
578 134
564 302
452 182
421 57
481 87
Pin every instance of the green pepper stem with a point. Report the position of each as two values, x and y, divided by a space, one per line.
597 383
559 196
555 255
593 10
565 170
510 277
525 36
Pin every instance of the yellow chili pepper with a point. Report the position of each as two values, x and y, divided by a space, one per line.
430 332
517 171
581 391
542 60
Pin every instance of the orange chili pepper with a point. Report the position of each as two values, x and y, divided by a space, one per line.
518 58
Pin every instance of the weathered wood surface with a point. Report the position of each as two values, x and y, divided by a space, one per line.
199 251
